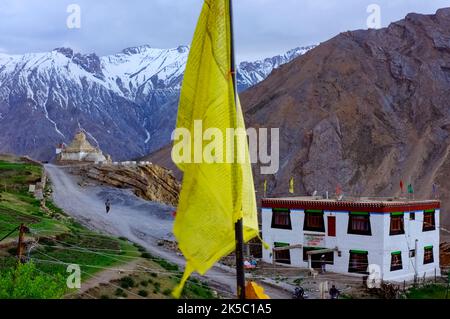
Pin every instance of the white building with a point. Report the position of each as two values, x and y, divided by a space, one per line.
399 238
80 150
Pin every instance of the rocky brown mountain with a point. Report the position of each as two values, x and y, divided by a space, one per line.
364 110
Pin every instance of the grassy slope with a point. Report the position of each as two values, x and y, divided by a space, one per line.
55 230
155 279
62 241
429 292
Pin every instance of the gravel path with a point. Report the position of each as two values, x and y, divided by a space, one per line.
138 220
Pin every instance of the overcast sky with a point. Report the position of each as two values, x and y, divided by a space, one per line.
263 27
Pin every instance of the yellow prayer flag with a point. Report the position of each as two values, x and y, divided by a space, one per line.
214 196
291 185
254 291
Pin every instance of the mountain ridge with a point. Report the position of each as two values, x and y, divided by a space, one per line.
126 102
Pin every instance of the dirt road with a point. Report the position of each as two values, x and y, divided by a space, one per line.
138 220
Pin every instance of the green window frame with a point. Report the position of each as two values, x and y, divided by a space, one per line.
282 256
314 220
429 220
359 224
358 262
428 255
397 224
396 261
281 219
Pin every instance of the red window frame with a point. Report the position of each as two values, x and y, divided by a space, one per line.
331 221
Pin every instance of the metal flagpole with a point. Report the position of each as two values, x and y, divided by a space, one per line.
240 273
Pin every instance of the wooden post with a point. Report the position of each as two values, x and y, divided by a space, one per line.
240 273
20 243
448 285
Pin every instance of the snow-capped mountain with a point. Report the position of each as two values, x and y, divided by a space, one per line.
126 102
251 73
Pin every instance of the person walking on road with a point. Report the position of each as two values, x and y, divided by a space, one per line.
334 292
108 205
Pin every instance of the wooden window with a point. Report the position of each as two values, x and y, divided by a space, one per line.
314 221
428 257
332 226
429 222
412 216
359 262
281 219
282 256
359 224
397 224
396 261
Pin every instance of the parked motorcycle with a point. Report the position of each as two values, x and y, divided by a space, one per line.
299 293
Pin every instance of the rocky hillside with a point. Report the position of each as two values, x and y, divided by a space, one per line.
126 102
364 110
150 182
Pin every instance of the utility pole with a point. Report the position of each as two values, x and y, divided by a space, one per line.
239 227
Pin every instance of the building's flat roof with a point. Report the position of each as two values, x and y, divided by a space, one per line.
368 204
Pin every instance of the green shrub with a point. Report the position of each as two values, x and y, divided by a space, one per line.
167 265
154 274
167 292
143 293
26 282
127 282
146 256
144 283
298 281
119 292
47 242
